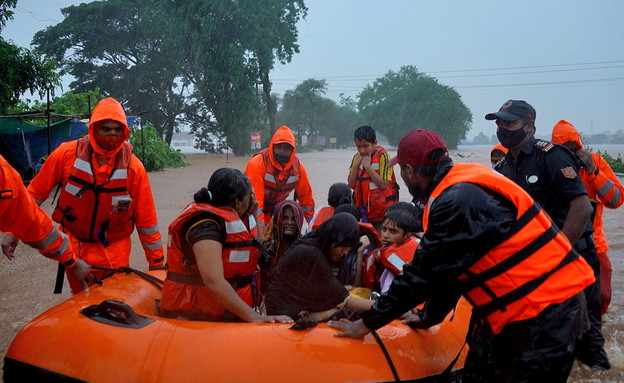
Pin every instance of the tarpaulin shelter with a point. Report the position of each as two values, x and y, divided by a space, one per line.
24 144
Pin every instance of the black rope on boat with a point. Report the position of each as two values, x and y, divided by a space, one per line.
129 270
387 355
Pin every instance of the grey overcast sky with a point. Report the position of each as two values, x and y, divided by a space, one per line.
565 57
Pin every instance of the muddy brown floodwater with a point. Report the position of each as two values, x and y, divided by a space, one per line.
27 282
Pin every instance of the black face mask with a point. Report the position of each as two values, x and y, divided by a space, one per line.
281 159
510 138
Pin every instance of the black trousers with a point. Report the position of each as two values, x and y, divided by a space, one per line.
539 349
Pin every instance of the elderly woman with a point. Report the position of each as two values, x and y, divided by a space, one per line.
305 283
213 255
283 229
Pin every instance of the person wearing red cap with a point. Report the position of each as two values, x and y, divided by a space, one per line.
549 173
604 190
497 153
477 224
20 215
105 193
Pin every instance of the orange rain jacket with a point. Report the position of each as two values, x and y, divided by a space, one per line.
266 176
20 215
104 247
513 281
602 186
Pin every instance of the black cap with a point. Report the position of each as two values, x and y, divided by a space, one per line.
513 110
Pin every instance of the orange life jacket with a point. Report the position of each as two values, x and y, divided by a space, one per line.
367 194
184 289
530 270
324 213
92 212
276 190
393 257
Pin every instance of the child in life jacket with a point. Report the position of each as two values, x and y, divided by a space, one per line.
399 242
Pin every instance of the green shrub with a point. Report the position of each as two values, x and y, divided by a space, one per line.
156 155
616 163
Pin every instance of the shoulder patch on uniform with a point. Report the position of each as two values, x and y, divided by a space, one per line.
544 146
569 172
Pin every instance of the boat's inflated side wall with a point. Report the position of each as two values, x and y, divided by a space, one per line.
64 342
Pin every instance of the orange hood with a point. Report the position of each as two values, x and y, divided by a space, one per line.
283 134
107 109
500 147
564 132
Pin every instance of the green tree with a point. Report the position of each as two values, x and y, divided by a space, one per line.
407 100
153 151
120 47
21 70
481 139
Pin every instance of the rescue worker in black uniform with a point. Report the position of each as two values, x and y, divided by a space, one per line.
526 302
549 173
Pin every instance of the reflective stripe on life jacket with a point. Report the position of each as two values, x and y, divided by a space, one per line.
393 257
367 193
276 186
95 212
530 270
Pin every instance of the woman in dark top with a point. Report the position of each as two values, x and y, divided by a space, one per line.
304 282
212 254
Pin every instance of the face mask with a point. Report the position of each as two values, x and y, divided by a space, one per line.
109 142
281 159
511 138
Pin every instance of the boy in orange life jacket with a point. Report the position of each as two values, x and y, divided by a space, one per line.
399 240
371 177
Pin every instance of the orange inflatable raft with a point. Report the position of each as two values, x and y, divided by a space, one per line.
96 337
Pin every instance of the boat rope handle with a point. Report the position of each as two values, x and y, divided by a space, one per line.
129 270
387 355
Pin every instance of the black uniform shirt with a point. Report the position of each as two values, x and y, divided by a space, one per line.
549 173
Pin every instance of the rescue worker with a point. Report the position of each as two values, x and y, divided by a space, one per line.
20 215
549 173
213 255
477 224
104 194
604 190
275 172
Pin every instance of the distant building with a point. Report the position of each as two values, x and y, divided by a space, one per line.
185 142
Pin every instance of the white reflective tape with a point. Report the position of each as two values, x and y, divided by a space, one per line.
119 174
292 179
235 227
269 177
396 261
72 189
239 256
83 165
252 222
373 186
375 166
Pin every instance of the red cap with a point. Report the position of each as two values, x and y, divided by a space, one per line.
416 146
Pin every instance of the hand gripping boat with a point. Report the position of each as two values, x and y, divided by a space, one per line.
113 334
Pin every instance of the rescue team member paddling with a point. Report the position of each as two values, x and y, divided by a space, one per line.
275 172
20 215
549 173
604 190
486 239
213 255
104 194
